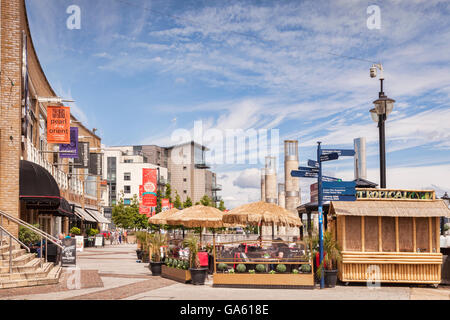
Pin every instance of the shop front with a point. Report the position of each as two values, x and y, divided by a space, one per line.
389 236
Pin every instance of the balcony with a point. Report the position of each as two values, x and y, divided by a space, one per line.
73 184
202 165
216 187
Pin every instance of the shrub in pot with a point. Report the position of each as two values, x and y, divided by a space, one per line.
156 241
295 271
251 271
241 268
330 260
260 268
198 274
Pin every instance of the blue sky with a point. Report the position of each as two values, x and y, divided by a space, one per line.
139 69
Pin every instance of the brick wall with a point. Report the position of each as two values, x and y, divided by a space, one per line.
10 107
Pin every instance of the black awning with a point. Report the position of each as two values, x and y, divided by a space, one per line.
38 188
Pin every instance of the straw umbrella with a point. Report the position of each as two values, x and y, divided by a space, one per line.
161 217
198 216
262 212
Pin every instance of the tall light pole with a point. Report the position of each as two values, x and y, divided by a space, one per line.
382 108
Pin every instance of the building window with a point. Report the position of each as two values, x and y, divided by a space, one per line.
184 168
126 189
184 179
128 161
127 176
184 191
127 201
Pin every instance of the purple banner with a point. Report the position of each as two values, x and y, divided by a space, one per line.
72 147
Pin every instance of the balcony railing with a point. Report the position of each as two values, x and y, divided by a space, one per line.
216 187
74 184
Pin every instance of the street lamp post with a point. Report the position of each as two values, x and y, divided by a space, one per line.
382 108
446 199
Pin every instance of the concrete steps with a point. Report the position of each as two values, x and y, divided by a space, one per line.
26 268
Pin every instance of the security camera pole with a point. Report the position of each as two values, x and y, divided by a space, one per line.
383 107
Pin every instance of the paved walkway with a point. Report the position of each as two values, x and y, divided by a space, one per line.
112 273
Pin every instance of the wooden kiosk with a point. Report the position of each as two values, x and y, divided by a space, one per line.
389 235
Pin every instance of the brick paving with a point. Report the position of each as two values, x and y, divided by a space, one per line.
89 279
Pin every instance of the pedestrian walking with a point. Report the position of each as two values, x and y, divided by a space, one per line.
112 238
120 237
125 234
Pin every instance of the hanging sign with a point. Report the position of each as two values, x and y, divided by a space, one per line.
329 156
304 174
83 156
312 169
70 150
95 164
165 204
149 182
144 209
313 163
336 197
58 124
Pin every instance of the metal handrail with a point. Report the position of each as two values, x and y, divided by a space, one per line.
43 234
11 237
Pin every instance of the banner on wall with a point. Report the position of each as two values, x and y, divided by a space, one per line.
58 124
95 163
149 183
70 150
144 209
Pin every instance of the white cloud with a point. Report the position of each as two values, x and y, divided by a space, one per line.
249 178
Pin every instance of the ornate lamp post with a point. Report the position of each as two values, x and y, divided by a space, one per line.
383 106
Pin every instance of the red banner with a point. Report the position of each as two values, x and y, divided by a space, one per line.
141 191
58 124
149 184
165 204
144 210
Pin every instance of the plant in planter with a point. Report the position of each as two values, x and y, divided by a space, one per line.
295 271
330 260
241 268
305 268
260 268
272 271
222 267
231 270
198 274
156 241
281 268
75 231
251 271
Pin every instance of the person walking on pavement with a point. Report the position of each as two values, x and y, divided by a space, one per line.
125 240
112 238
120 237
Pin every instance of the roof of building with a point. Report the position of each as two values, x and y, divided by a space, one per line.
390 208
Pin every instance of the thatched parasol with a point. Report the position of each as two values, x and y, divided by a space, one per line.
262 212
161 217
197 216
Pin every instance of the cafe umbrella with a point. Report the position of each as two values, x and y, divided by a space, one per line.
260 212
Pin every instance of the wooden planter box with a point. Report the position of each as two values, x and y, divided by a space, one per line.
175 274
276 280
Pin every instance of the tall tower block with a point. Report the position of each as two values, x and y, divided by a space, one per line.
271 180
291 184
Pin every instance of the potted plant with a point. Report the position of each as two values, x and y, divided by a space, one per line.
331 258
281 268
198 274
241 268
260 268
222 267
141 239
156 241
305 268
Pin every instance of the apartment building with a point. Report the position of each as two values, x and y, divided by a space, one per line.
123 174
183 166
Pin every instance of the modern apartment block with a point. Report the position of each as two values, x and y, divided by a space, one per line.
183 166
123 174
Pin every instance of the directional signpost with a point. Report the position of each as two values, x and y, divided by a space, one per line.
329 188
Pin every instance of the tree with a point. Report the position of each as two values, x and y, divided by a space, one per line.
158 201
177 204
222 206
168 194
128 217
187 203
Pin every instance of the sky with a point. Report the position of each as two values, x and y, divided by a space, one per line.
143 71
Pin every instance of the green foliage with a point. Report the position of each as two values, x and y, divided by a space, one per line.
281 268
295 271
332 252
27 236
252 271
156 241
75 231
222 266
446 227
177 203
306 268
222 206
272 272
168 194
192 244
158 201
128 217
187 203
260 268
241 268
206 201
231 270
92 232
